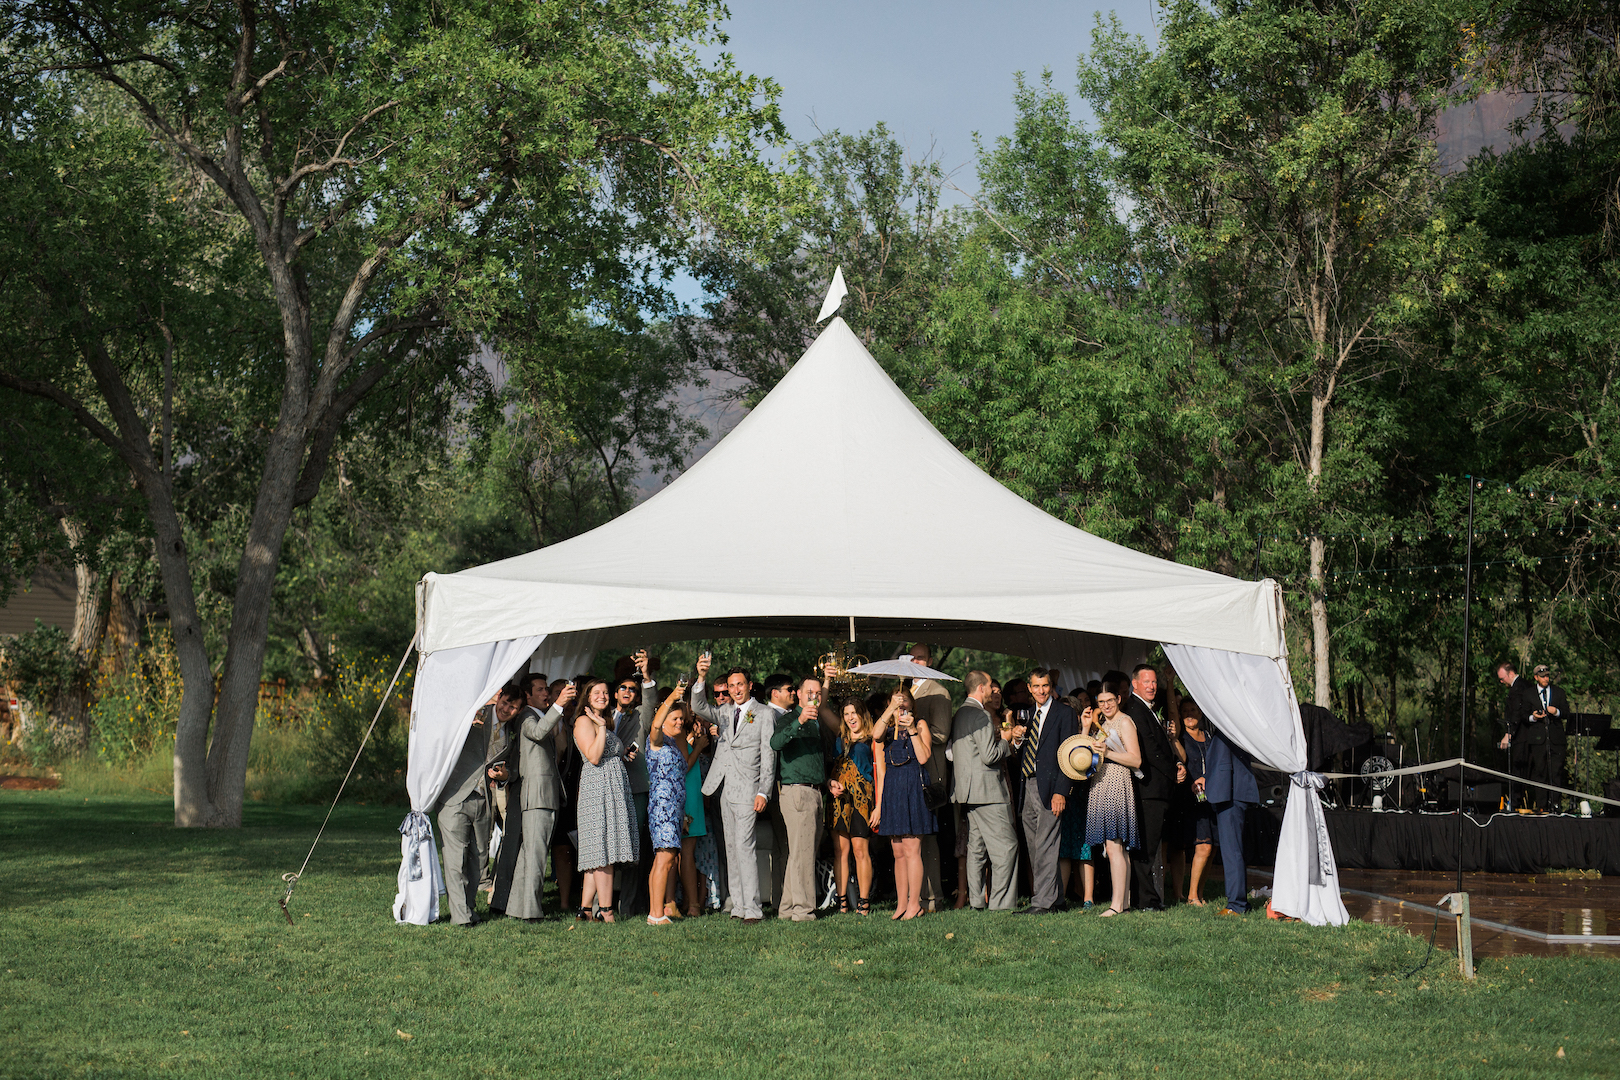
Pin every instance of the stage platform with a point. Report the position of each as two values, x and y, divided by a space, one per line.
1513 914
1491 843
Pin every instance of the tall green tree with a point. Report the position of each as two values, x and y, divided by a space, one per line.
383 181
1285 150
1052 363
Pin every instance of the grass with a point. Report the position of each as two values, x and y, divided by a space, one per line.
130 948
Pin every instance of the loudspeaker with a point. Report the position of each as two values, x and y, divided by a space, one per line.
1477 796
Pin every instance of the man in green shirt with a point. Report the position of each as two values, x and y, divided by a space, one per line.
803 772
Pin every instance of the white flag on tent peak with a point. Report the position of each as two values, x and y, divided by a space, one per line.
835 294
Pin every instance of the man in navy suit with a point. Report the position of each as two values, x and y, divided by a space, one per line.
1229 786
1161 771
1044 786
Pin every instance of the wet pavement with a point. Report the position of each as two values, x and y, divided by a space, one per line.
1513 914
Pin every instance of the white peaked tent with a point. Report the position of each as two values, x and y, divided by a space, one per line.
836 499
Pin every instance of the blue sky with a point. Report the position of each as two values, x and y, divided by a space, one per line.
936 73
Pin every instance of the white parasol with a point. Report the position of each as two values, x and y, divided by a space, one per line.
903 668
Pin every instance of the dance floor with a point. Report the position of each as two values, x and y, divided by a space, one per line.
1513 914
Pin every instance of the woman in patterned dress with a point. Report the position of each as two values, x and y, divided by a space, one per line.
1111 812
607 814
669 758
853 796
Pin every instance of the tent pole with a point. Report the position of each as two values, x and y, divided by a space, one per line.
852 629
1462 733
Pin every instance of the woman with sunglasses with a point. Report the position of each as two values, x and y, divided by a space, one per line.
607 812
854 793
669 757
1111 811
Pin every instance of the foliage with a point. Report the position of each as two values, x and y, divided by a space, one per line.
344 716
39 665
864 205
136 710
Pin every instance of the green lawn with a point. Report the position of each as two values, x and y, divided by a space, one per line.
132 949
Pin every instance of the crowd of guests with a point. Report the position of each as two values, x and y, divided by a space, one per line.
717 795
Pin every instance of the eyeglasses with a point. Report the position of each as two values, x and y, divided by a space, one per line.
628 686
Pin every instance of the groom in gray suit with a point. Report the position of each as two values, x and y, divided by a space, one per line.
743 772
463 812
977 751
540 793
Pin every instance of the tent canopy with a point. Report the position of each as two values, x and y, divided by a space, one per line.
836 499
833 498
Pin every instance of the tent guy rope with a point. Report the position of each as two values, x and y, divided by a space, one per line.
293 879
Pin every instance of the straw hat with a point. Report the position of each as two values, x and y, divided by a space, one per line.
1076 758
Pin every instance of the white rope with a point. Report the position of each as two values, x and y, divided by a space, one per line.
292 879
1451 763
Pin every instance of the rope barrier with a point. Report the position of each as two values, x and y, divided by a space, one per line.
1451 763
293 879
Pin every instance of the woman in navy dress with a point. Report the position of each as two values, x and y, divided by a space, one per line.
901 812
1198 831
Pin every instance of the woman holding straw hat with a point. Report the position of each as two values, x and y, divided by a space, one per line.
1111 811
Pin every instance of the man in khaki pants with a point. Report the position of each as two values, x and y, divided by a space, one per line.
797 742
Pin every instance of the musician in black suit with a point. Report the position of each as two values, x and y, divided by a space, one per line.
1161 771
1535 718
1045 787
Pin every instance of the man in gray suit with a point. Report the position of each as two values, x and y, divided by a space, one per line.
463 811
743 773
978 748
540 795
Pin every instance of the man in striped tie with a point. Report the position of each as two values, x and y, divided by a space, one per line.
1045 789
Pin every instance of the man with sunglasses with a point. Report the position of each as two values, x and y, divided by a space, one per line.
634 702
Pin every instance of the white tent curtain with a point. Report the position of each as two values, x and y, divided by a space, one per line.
1251 699
563 656
451 686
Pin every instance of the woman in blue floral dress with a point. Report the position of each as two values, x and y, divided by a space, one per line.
668 758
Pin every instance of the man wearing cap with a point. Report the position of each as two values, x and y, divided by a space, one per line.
1535 717
978 747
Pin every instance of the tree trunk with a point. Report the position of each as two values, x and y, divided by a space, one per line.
133 444
123 628
1318 579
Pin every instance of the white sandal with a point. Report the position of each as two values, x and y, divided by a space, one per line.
659 920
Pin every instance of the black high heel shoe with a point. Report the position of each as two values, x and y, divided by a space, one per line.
863 905
843 903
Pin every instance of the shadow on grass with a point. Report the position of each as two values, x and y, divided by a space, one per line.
55 844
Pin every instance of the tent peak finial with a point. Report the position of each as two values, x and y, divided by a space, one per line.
835 294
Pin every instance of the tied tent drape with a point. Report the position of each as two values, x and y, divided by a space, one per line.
451 686
1251 699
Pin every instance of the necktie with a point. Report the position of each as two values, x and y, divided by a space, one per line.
1030 742
1546 698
